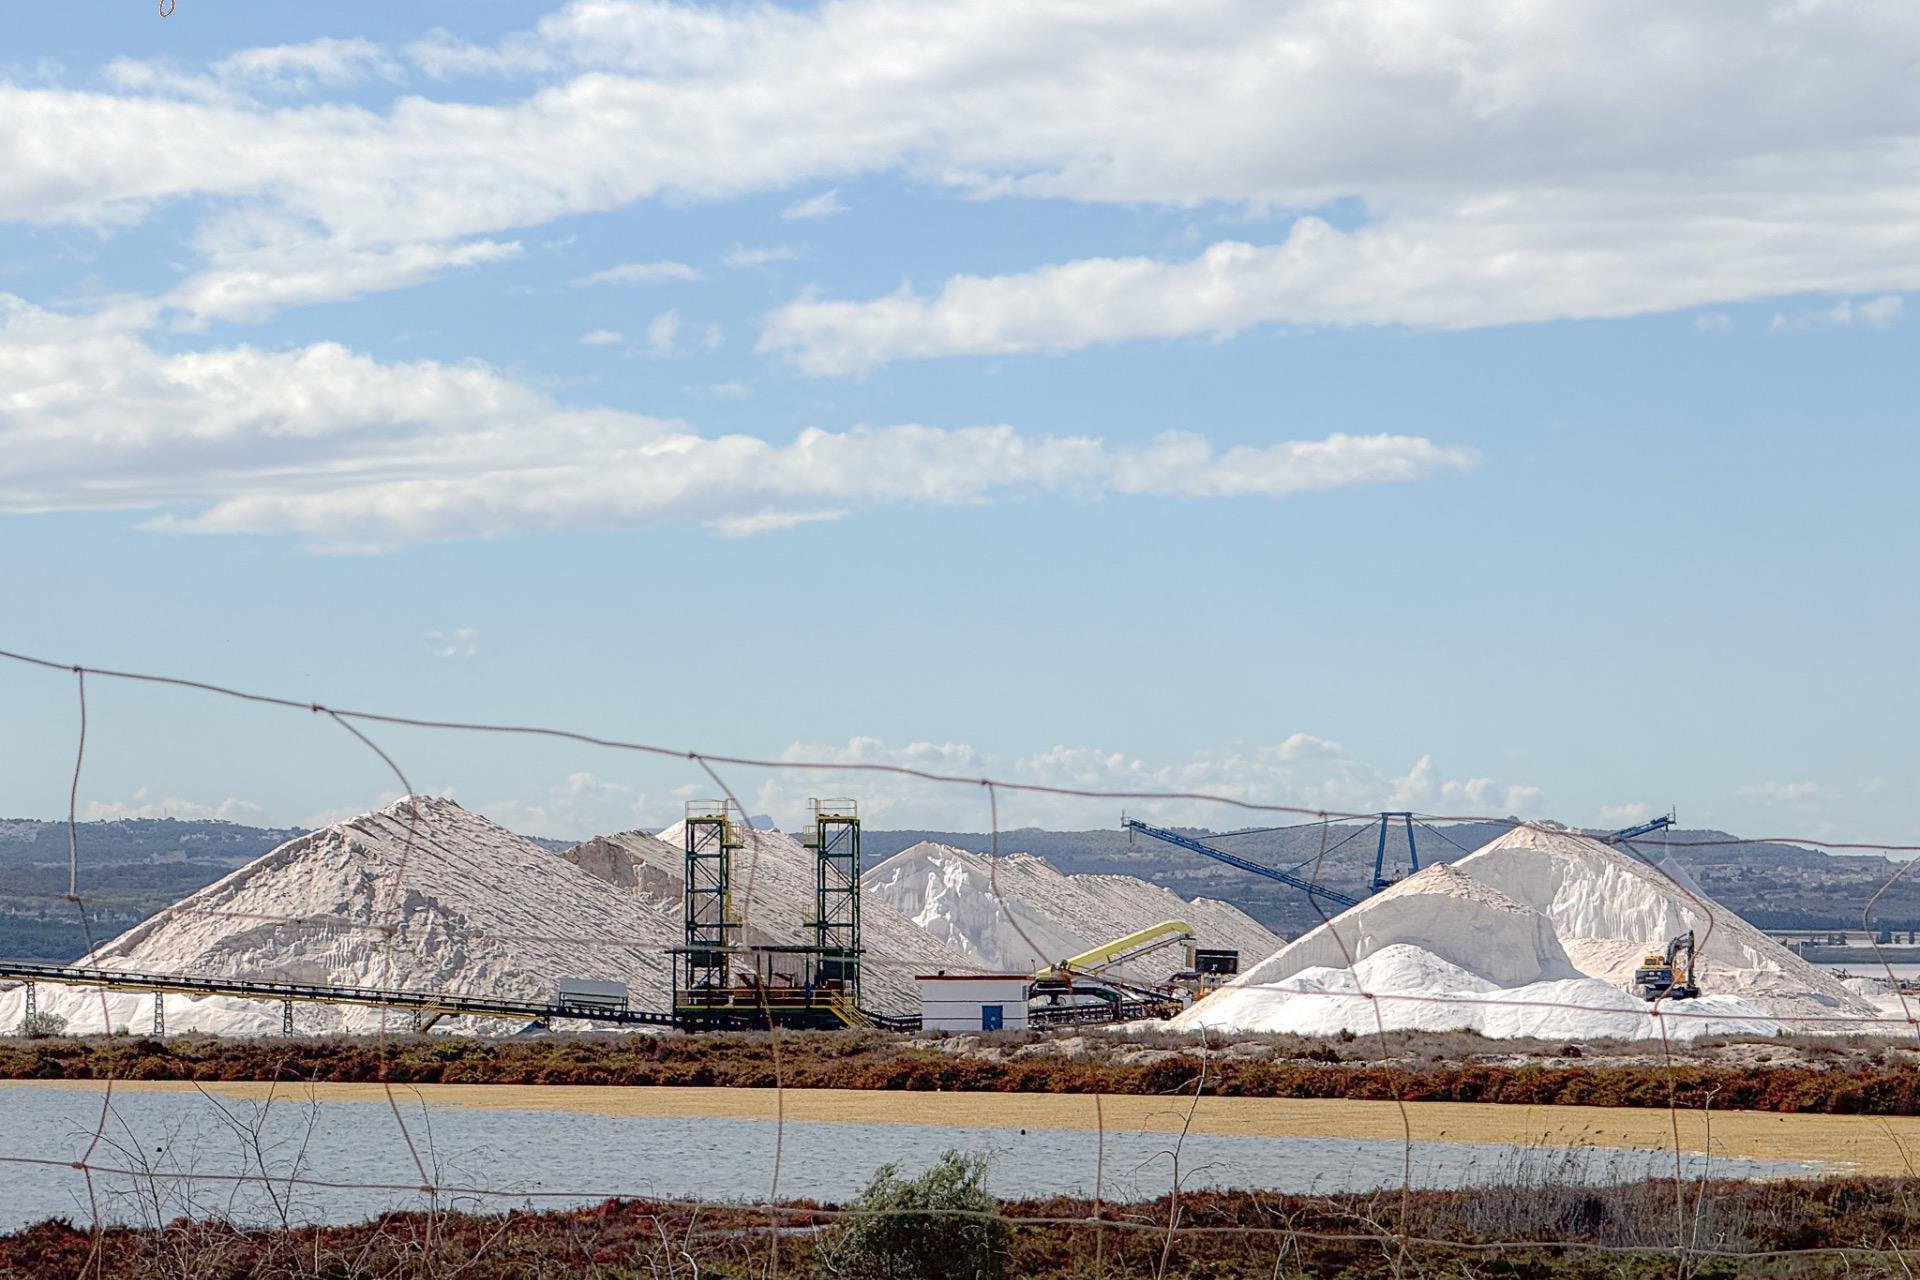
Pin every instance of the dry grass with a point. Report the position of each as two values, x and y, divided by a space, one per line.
1542 1230
1841 1078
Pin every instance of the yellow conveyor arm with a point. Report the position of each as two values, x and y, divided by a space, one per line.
1151 938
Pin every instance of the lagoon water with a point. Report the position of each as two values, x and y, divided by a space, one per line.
186 1147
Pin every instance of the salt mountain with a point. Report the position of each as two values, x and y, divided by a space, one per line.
1502 941
1039 916
428 896
460 905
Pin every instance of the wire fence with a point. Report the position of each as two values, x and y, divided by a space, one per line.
114 1158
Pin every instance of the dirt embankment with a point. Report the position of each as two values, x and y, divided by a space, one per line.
1813 1077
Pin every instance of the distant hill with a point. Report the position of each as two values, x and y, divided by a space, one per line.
132 867
128 869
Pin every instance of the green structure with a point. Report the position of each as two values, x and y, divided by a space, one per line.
721 980
836 894
703 965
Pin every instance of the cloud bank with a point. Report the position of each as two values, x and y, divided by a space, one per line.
348 453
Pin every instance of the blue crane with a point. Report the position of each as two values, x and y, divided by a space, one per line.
1646 828
1380 880
1235 860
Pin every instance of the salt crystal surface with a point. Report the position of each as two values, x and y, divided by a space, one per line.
462 906
950 893
1500 941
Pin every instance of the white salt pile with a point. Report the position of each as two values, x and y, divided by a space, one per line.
949 893
1506 939
474 909
469 908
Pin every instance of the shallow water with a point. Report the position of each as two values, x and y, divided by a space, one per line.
181 1144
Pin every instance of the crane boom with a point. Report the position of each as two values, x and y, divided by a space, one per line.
1245 864
1121 950
1645 828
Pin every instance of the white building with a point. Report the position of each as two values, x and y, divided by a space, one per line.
973 1001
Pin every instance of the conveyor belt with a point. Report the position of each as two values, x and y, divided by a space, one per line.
439 1003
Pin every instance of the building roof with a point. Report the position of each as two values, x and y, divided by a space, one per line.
973 977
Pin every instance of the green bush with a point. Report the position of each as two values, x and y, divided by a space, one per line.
889 1235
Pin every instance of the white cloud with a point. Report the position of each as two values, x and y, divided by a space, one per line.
768 522
734 390
1879 313
1874 313
640 273
352 454
1302 770
1424 788
326 63
1444 274
663 335
1626 814
145 805
254 282
601 338
1713 322
759 256
1589 158
824 205
460 642
581 805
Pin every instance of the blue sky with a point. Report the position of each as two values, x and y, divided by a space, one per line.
1473 413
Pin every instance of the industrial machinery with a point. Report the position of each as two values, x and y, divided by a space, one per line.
1235 860
1383 824
1085 988
1626 834
721 981
1662 976
1209 970
590 993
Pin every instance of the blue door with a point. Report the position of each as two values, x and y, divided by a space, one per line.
992 1017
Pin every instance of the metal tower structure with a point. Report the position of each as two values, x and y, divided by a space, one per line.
710 838
836 894
1380 880
1383 824
1235 860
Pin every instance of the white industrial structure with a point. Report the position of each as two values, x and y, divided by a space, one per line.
973 1001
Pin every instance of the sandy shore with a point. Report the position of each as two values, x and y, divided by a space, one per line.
1843 1144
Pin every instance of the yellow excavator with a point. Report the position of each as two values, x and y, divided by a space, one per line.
1662 976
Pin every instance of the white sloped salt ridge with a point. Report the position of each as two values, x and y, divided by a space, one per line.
950 893
1324 1001
779 874
474 909
1609 909
1508 937
1442 911
633 860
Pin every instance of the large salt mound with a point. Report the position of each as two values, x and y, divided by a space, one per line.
1500 941
476 910
1609 908
1453 916
1324 1001
949 893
